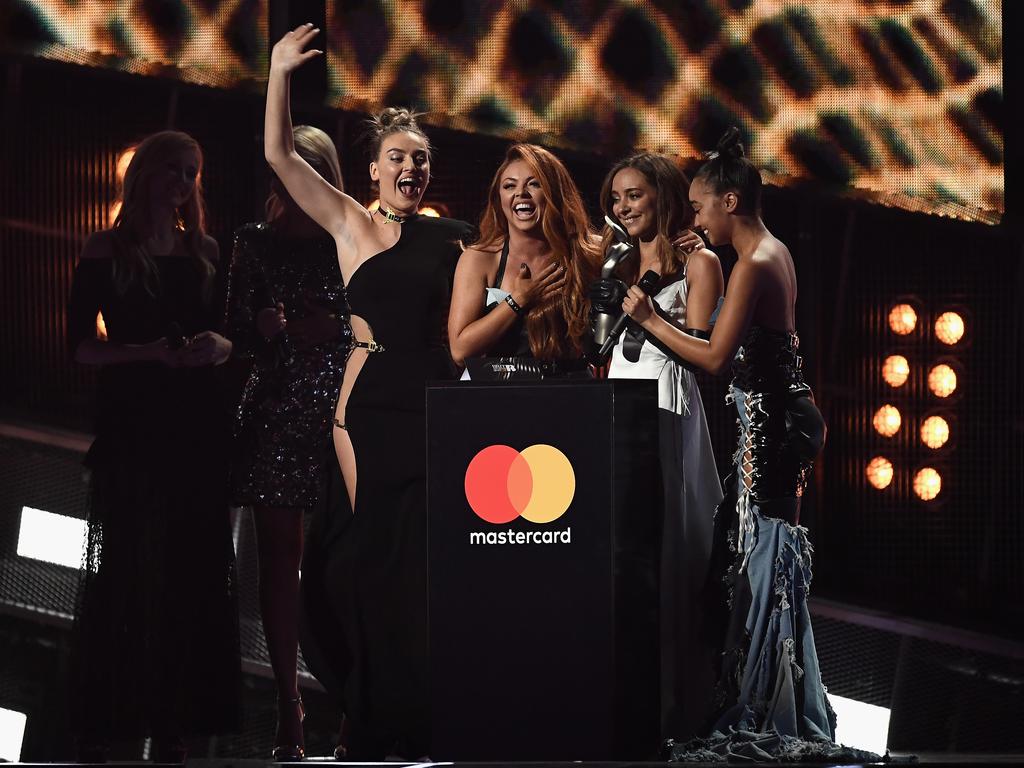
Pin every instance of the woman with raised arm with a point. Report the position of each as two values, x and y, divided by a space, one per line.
520 290
647 194
769 700
156 630
285 314
364 599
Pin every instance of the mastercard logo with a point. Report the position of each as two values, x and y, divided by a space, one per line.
537 484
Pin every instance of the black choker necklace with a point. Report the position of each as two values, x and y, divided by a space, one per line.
391 216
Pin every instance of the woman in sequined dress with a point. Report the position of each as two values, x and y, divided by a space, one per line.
285 312
770 703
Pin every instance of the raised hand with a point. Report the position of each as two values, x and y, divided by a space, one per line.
289 52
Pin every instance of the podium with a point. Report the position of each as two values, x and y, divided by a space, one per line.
544 534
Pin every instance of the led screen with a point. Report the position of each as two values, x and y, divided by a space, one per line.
898 101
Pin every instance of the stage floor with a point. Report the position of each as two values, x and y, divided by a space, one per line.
922 759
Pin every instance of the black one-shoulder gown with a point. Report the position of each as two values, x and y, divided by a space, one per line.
364 588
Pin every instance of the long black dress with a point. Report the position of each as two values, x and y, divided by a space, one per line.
364 590
156 634
283 426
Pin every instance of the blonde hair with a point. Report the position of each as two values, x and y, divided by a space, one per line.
316 148
132 264
557 327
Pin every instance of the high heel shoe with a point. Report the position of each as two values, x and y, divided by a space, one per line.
341 751
289 752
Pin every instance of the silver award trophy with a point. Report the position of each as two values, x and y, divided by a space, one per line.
617 252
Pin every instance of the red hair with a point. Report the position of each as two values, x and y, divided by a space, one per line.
556 327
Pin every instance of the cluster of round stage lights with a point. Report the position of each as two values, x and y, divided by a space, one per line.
942 382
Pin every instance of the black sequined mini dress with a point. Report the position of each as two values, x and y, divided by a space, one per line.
283 425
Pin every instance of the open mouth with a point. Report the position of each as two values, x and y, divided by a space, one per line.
628 220
410 186
524 211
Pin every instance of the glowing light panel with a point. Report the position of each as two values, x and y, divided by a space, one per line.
902 319
879 472
896 370
887 420
860 725
935 432
12 734
927 483
898 102
949 328
942 380
56 539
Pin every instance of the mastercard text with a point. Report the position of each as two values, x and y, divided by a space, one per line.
521 537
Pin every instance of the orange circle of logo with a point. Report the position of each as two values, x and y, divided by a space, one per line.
537 484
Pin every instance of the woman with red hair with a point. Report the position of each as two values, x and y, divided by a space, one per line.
521 290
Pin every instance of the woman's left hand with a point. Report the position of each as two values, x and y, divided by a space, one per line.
207 348
638 305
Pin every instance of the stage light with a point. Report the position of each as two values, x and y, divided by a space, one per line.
860 725
887 420
430 211
927 484
123 161
12 734
949 328
101 327
896 370
879 472
902 319
56 539
373 206
934 432
942 380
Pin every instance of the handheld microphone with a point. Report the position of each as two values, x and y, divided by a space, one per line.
281 344
617 252
649 285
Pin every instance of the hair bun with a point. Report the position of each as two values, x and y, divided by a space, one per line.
730 145
395 118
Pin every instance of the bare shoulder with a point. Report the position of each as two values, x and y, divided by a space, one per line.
770 249
704 261
211 250
751 273
99 245
477 261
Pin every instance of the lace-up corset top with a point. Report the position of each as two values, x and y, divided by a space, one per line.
768 361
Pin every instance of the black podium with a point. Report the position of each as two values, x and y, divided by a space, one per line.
544 534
